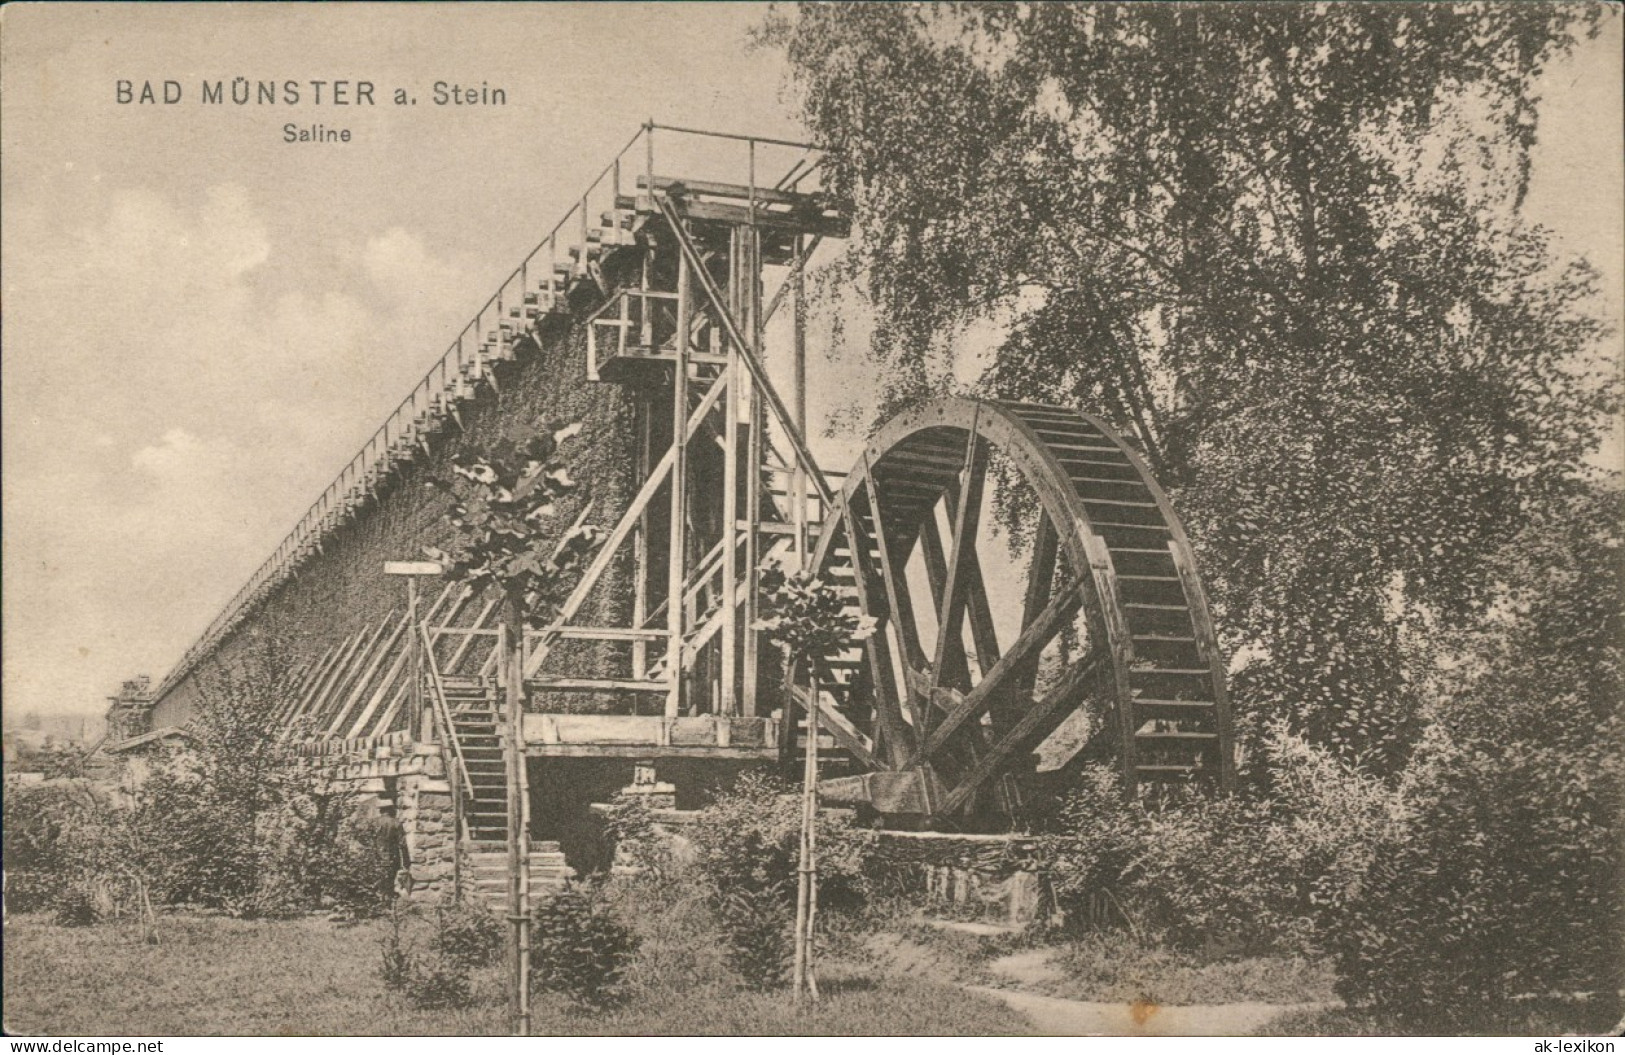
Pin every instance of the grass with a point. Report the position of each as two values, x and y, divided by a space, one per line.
1113 967
1544 1018
213 976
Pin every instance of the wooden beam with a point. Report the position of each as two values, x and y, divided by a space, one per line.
395 669
628 521
967 514
1026 648
762 752
835 723
758 373
1065 691
311 676
899 605
359 686
677 554
900 739
1040 583
310 706
597 684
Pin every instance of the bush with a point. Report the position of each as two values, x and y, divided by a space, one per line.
468 934
354 867
630 829
396 963
37 831
747 849
438 982
276 896
759 929
75 907
748 839
1503 881
1236 875
579 949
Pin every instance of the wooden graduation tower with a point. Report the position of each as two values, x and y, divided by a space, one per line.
1076 626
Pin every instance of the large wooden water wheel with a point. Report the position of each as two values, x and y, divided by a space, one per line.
1037 604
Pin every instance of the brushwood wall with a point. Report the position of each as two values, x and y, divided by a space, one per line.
342 589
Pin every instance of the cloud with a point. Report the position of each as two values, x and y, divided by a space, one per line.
189 375
401 268
178 459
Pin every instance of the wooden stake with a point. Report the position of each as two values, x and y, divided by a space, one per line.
807 871
518 909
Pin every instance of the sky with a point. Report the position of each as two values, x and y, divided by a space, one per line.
203 322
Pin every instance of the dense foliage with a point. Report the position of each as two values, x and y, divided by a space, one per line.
507 495
745 851
225 819
580 949
1278 245
1281 247
1512 860
1232 876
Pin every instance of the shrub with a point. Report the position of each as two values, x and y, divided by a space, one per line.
759 929
749 839
354 867
276 896
397 962
468 934
1241 874
579 949
74 906
437 979
1503 881
438 982
630 829
747 845
40 862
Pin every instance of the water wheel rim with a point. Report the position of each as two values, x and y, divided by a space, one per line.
1053 449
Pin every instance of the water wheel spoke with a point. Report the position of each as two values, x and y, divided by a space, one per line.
1077 680
897 734
899 605
950 665
1006 677
949 742
1040 583
967 514
983 635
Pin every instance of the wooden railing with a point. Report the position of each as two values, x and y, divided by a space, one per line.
465 365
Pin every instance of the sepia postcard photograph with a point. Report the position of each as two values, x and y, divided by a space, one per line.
813 519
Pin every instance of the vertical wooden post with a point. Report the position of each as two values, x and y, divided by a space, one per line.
798 485
807 869
512 640
753 459
420 716
738 266
640 547
679 493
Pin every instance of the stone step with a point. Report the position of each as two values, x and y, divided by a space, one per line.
542 846
536 861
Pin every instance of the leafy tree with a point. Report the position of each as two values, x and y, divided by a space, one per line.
806 615
1279 245
503 498
1511 859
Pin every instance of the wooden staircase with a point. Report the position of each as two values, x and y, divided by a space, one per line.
478 722
486 880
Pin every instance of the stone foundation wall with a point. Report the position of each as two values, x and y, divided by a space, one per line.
423 805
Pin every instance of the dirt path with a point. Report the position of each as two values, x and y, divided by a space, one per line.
1070 1018
1016 975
